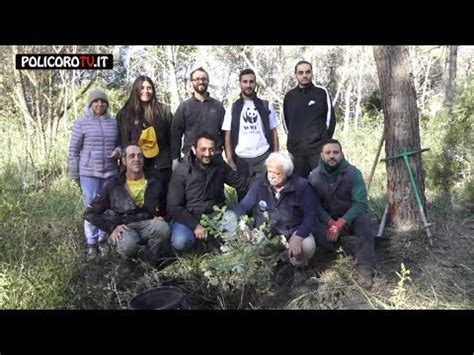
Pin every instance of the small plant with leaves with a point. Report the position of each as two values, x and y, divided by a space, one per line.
212 223
398 298
238 269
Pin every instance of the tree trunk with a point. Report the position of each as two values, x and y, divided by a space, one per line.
57 104
359 91
65 103
172 78
49 114
347 113
342 81
425 84
260 81
402 133
20 100
449 95
74 95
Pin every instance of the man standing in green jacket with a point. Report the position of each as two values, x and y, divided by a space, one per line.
342 198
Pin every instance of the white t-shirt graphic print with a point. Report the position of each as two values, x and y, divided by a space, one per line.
252 141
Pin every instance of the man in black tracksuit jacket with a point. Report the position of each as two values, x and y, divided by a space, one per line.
308 120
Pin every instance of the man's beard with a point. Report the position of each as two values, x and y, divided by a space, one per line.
198 89
331 168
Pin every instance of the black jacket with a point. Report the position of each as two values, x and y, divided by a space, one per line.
114 206
130 132
193 117
309 119
193 191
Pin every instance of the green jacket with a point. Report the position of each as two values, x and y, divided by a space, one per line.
340 193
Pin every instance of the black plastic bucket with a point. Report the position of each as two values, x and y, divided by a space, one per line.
164 297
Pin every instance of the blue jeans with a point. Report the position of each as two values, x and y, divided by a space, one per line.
182 237
90 187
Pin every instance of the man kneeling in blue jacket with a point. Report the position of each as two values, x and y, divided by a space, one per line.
287 202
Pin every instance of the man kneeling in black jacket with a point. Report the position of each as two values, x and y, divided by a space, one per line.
197 185
128 209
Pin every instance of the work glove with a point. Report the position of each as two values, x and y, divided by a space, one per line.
330 224
335 228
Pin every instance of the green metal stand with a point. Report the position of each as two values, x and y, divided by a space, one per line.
415 188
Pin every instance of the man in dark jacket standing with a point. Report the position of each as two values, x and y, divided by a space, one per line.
197 185
342 196
199 113
128 209
308 119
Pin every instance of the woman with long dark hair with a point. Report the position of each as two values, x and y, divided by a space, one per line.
145 120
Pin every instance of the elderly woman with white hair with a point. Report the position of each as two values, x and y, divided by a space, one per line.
287 201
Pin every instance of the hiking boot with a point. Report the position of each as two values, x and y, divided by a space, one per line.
92 251
365 277
104 249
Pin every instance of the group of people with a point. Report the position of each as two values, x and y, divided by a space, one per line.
173 171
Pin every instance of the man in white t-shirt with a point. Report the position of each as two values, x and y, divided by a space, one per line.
250 126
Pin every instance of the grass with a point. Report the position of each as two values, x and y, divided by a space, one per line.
39 247
42 264
40 236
